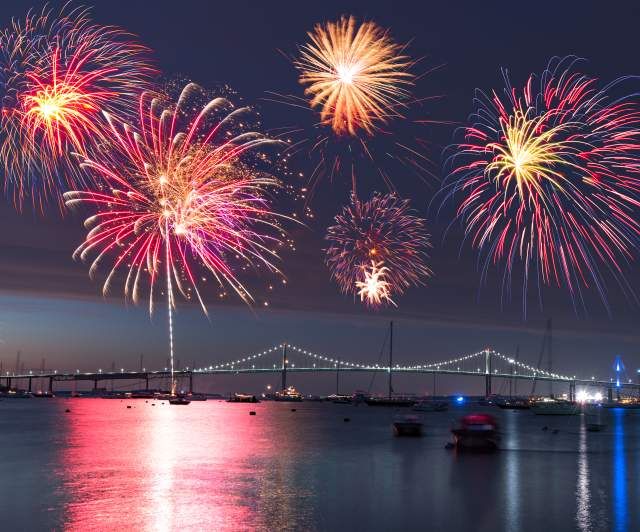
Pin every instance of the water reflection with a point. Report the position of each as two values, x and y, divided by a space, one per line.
583 497
619 473
158 467
512 442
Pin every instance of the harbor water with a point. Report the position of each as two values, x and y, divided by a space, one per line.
212 466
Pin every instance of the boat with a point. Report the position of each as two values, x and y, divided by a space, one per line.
514 403
554 407
179 400
623 403
116 395
197 397
431 405
476 432
407 425
389 401
340 399
243 398
17 394
288 394
143 395
44 395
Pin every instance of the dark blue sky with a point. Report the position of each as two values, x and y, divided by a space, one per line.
50 307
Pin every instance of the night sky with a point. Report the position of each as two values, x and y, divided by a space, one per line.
50 308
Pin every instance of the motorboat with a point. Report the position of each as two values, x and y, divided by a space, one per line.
389 401
431 406
243 398
44 395
513 403
407 425
554 407
288 394
476 432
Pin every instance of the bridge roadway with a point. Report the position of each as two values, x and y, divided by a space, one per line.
164 374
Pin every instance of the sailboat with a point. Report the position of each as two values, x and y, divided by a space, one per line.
177 399
390 400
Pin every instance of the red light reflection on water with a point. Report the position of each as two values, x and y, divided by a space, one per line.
206 466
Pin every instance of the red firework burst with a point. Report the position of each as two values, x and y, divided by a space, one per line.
549 178
56 75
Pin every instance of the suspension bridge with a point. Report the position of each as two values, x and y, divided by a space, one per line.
285 358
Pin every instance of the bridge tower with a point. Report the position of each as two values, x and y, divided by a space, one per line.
618 367
284 366
487 373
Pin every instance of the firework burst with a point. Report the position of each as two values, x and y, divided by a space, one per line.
56 75
374 290
358 83
355 74
179 194
377 247
550 178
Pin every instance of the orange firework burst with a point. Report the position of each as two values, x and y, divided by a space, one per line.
356 74
56 75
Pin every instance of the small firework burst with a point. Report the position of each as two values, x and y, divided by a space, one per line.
382 238
374 290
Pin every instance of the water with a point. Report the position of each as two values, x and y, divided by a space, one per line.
211 466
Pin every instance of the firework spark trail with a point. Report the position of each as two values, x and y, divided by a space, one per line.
57 73
383 230
549 177
180 182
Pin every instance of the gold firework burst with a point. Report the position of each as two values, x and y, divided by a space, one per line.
356 74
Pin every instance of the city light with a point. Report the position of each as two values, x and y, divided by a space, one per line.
583 396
